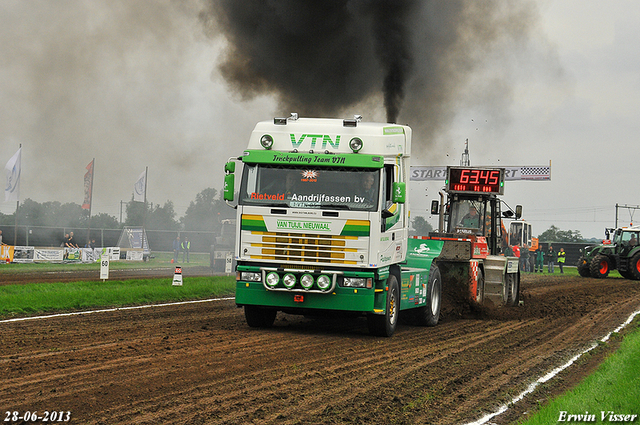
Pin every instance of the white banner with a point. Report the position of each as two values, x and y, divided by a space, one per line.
23 254
134 254
532 172
48 254
12 169
112 252
139 188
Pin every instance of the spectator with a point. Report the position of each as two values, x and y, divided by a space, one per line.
551 259
71 242
186 246
561 258
176 249
524 258
539 260
65 241
1 238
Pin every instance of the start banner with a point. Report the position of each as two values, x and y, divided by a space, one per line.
531 172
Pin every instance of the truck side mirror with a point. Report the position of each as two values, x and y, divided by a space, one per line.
229 185
229 181
435 207
518 211
399 192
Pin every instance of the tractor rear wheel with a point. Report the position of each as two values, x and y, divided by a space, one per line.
634 266
600 266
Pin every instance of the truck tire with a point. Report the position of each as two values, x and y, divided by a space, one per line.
634 266
480 282
583 267
259 317
511 289
429 314
600 266
385 325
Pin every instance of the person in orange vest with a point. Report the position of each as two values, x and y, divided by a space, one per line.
516 251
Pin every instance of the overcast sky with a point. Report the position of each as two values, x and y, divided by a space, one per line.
136 84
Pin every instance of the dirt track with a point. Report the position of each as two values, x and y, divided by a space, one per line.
200 363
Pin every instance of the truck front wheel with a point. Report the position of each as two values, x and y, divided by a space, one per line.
385 325
600 266
259 317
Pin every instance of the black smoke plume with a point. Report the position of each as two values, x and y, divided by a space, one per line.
320 57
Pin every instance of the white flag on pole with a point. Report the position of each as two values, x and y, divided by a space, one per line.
12 189
139 188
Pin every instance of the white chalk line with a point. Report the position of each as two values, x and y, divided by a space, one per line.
108 310
550 375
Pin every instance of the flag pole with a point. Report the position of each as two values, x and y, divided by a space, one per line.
93 171
15 228
144 211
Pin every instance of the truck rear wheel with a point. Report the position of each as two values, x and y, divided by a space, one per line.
259 317
385 325
634 266
583 267
600 266
430 313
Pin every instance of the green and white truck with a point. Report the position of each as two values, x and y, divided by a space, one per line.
323 225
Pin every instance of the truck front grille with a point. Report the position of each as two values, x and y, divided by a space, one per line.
305 248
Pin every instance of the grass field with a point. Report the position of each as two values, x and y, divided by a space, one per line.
38 298
611 394
160 260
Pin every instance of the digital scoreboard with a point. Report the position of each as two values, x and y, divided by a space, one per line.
475 180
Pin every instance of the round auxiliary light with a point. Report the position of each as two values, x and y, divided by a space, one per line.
355 144
289 281
273 279
306 281
324 282
266 141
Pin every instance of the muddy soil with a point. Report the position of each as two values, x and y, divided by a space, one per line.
201 364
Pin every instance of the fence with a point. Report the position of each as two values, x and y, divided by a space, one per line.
159 240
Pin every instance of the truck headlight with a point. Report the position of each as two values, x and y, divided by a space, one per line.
355 144
306 281
289 281
324 282
357 282
266 141
273 279
250 276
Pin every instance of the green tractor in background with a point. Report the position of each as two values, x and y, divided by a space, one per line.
621 253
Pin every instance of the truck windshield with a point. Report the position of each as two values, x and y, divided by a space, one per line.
297 187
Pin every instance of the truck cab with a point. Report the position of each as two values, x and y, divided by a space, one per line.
322 219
